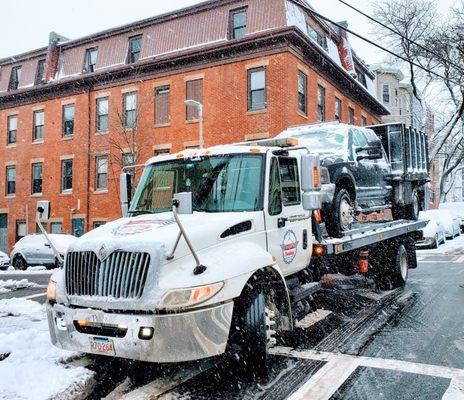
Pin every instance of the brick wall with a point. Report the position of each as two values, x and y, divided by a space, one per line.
226 120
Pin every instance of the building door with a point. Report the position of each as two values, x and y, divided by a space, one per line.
78 227
4 233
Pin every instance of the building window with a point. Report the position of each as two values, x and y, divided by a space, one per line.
10 180
96 224
159 152
14 78
338 109
21 229
102 114
68 120
37 178
238 24
311 32
128 159
66 175
257 89
101 172
386 94
364 121
39 122
56 227
351 115
361 78
302 92
135 45
320 103
38 230
90 61
162 106
322 41
12 129
39 76
194 91
130 110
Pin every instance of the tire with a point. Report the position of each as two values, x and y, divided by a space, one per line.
339 218
251 339
20 263
435 243
408 211
395 273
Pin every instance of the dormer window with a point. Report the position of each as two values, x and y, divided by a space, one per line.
361 78
321 40
90 62
238 23
14 78
39 76
135 46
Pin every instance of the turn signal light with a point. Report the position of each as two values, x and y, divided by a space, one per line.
318 250
316 176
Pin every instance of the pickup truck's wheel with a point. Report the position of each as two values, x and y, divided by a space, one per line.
19 263
409 211
341 217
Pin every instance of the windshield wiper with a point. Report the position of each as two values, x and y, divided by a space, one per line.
135 213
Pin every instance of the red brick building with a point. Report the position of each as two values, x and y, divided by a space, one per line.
74 112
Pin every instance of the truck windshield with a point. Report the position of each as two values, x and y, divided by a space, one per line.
223 183
321 139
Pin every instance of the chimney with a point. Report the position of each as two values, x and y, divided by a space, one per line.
53 56
344 48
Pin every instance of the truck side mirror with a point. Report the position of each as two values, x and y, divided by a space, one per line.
310 171
125 188
43 210
184 202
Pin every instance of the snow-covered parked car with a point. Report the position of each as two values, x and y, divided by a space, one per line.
449 221
35 250
434 232
457 209
4 261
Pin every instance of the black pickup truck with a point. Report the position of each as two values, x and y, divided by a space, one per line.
367 169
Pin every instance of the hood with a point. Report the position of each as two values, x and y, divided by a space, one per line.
430 230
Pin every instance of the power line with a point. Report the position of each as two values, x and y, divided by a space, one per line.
401 35
378 45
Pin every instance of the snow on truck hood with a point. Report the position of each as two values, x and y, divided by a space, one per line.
154 232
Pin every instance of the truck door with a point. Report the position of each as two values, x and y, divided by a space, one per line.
365 172
288 226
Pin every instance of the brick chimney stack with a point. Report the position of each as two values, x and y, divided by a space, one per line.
344 48
53 56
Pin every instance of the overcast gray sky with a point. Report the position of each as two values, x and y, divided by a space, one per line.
26 23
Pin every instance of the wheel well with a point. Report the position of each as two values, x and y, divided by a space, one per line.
347 183
268 279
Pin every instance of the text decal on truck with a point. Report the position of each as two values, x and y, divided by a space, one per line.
134 227
289 247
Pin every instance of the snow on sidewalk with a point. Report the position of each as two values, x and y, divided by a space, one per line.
11 285
31 367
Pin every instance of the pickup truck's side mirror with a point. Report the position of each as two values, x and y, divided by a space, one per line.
125 188
373 153
184 202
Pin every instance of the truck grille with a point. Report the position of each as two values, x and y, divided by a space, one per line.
121 275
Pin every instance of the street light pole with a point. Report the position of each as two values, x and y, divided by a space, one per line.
199 107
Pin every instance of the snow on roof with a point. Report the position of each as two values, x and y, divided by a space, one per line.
387 69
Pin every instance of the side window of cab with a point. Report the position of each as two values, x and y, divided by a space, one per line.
275 192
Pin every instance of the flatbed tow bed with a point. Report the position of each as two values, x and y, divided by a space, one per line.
369 233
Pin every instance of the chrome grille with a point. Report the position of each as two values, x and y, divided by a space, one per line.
121 275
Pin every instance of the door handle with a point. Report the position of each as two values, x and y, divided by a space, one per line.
281 222
46 245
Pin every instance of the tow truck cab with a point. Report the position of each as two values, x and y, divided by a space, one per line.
176 280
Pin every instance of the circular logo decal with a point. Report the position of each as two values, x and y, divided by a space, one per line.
140 226
289 247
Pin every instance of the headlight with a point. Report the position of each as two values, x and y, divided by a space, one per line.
51 290
183 298
325 175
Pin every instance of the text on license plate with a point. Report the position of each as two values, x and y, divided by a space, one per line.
102 346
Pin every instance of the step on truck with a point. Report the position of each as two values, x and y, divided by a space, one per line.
219 251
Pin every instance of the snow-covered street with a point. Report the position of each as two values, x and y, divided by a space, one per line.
30 367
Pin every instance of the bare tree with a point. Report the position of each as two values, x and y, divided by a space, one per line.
438 46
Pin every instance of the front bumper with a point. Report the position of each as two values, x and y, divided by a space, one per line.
185 336
426 242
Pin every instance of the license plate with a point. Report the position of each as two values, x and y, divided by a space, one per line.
102 346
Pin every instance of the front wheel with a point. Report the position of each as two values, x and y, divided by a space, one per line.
19 263
435 242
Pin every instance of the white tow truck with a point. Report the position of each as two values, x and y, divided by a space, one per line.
219 251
